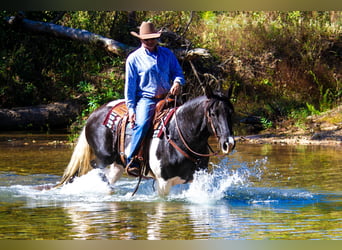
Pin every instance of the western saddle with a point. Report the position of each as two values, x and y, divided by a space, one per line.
117 120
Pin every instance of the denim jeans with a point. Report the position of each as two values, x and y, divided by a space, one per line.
144 112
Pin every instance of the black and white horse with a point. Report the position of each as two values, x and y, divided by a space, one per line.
173 158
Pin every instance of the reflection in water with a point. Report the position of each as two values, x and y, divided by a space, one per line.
121 220
155 222
260 192
208 220
88 220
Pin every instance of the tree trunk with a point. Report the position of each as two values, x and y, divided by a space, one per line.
91 38
70 33
55 115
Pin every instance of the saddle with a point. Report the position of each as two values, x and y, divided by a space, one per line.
117 120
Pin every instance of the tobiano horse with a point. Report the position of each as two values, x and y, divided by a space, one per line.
173 158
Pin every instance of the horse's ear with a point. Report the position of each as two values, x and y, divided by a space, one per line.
208 91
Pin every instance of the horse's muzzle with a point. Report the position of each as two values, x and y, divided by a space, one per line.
228 145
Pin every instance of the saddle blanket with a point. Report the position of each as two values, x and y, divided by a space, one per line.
115 115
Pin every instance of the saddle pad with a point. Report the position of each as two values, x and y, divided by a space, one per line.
115 115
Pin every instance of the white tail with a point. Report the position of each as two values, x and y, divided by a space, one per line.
80 160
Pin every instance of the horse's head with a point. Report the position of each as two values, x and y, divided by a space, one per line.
219 113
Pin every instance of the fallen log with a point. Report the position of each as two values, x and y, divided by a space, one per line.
51 116
88 37
69 33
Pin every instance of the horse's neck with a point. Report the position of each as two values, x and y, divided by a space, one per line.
191 119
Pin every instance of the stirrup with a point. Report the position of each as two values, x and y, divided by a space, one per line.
133 168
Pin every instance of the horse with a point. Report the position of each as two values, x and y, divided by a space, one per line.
173 158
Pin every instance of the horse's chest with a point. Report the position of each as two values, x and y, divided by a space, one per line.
166 163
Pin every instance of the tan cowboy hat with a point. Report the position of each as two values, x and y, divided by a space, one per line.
146 31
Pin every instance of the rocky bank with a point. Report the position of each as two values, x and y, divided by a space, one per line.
323 129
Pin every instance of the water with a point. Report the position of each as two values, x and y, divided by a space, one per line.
260 192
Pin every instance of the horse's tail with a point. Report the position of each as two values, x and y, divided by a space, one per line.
80 160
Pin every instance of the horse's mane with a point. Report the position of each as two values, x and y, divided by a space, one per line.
217 96
195 101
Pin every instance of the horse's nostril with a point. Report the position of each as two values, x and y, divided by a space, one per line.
231 147
228 146
225 148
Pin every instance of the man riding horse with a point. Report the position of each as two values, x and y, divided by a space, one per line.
179 146
150 70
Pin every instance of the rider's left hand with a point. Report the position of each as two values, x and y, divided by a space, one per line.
175 89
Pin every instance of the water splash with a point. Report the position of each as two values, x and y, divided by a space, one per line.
235 181
89 184
208 188
229 180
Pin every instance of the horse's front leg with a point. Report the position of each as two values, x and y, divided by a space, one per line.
113 173
164 186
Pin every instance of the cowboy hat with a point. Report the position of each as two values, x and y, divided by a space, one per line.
146 31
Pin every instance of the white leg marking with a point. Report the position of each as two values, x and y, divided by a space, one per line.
154 162
163 186
113 172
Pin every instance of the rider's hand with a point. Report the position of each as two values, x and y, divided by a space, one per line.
131 118
175 89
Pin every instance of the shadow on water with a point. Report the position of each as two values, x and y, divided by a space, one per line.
259 192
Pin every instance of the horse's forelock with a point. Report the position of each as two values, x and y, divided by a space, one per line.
220 97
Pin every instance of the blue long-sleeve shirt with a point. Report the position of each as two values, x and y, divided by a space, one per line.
150 74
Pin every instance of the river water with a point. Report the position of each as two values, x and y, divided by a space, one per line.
259 192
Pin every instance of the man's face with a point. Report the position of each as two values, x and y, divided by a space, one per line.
150 44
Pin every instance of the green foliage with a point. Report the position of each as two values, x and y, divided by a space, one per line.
282 64
40 69
266 124
326 95
299 116
312 110
282 60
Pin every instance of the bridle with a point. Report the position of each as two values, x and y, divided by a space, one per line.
173 143
210 120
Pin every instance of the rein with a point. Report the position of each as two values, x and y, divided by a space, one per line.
186 144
